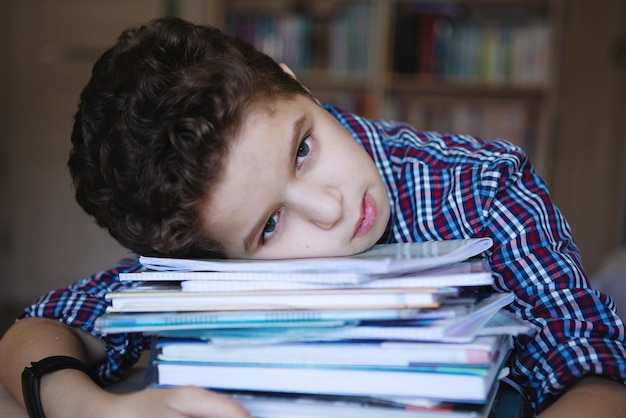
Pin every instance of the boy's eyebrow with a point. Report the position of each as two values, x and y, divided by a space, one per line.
296 136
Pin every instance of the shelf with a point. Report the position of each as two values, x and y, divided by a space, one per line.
318 79
446 65
407 85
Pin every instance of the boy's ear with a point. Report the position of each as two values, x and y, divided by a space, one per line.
286 69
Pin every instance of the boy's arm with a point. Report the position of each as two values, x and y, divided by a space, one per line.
590 397
71 393
33 339
578 349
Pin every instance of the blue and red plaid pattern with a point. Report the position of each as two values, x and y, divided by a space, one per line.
81 303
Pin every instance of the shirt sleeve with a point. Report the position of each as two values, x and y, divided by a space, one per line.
80 304
578 332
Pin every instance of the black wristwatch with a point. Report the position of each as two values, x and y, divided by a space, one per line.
31 377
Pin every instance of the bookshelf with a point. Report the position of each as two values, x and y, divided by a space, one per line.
484 67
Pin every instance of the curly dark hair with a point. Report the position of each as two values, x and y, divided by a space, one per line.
153 128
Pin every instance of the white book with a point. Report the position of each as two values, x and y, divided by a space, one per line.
131 300
384 259
441 382
234 280
480 351
468 273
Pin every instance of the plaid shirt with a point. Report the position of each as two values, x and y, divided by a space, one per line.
448 187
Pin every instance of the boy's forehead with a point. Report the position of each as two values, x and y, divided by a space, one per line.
272 106
267 114
263 121
255 116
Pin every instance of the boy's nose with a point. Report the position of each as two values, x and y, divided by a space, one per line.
322 205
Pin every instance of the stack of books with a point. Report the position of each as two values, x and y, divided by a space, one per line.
400 330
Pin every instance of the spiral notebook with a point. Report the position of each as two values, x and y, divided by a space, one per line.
380 260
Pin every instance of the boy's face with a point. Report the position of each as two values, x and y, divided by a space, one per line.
296 184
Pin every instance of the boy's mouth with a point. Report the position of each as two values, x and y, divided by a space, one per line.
367 219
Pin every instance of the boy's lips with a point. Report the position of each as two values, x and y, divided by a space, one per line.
367 219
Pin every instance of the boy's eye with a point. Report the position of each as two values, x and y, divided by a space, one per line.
303 151
270 227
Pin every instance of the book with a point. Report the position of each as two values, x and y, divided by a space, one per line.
380 260
465 273
288 405
237 280
480 351
450 383
469 319
133 300
152 322
505 322
462 329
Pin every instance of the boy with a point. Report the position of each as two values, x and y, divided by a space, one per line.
189 143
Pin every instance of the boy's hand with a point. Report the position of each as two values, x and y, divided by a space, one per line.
71 393
179 402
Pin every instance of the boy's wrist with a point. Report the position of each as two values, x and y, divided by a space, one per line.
32 376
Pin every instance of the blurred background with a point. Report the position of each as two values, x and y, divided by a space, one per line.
549 75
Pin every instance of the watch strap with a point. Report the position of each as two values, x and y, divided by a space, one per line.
31 378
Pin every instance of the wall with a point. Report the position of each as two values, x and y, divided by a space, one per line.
50 45
5 136
47 48
55 44
589 182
